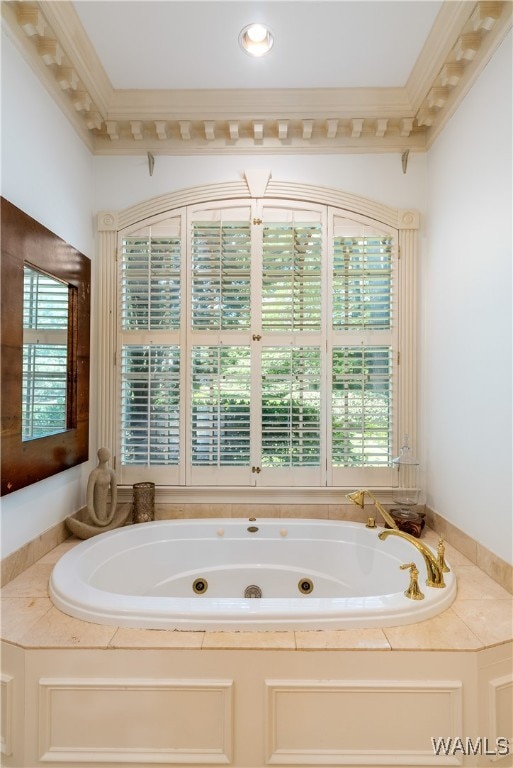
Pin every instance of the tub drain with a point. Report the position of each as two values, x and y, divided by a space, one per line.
252 591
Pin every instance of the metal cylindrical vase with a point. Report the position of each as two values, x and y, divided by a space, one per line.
144 502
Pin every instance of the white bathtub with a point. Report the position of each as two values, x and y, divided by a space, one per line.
146 575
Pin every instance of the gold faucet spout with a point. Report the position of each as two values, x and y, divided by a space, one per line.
358 498
434 571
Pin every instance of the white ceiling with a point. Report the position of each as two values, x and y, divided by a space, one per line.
193 44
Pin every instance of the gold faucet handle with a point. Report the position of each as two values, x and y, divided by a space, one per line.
441 556
413 591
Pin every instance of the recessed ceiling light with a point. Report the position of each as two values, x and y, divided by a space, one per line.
256 39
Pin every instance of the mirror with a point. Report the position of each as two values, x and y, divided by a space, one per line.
45 313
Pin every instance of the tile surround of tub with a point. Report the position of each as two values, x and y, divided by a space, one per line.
170 511
480 617
499 570
31 552
463 545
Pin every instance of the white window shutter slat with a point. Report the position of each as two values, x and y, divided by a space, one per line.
291 276
362 287
150 405
220 429
291 406
220 275
150 281
361 406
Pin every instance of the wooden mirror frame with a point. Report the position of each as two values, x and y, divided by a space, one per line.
25 241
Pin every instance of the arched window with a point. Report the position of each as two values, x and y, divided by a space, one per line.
257 345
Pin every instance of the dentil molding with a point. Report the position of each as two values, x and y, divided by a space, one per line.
120 122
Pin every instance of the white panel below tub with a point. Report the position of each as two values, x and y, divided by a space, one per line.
501 708
6 713
353 722
135 721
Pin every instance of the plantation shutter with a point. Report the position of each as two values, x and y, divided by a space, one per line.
291 273
151 285
151 404
220 274
363 339
362 288
151 340
293 288
45 354
258 347
220 318
291 412
361 406
221 382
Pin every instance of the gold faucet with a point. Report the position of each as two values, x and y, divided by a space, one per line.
358 498
441 556
413 591
434 571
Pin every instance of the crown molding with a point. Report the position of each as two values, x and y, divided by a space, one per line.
274 120
213 138
443 36
329 120
315 103
33 54
66 25
488 25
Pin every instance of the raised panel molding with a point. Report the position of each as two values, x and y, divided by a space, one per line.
333 722
6 709
500 712
128 720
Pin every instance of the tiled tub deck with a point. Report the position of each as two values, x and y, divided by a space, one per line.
75 692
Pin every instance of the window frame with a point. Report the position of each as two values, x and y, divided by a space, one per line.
159 474
406 222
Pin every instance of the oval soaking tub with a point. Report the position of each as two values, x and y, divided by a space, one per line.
210 573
